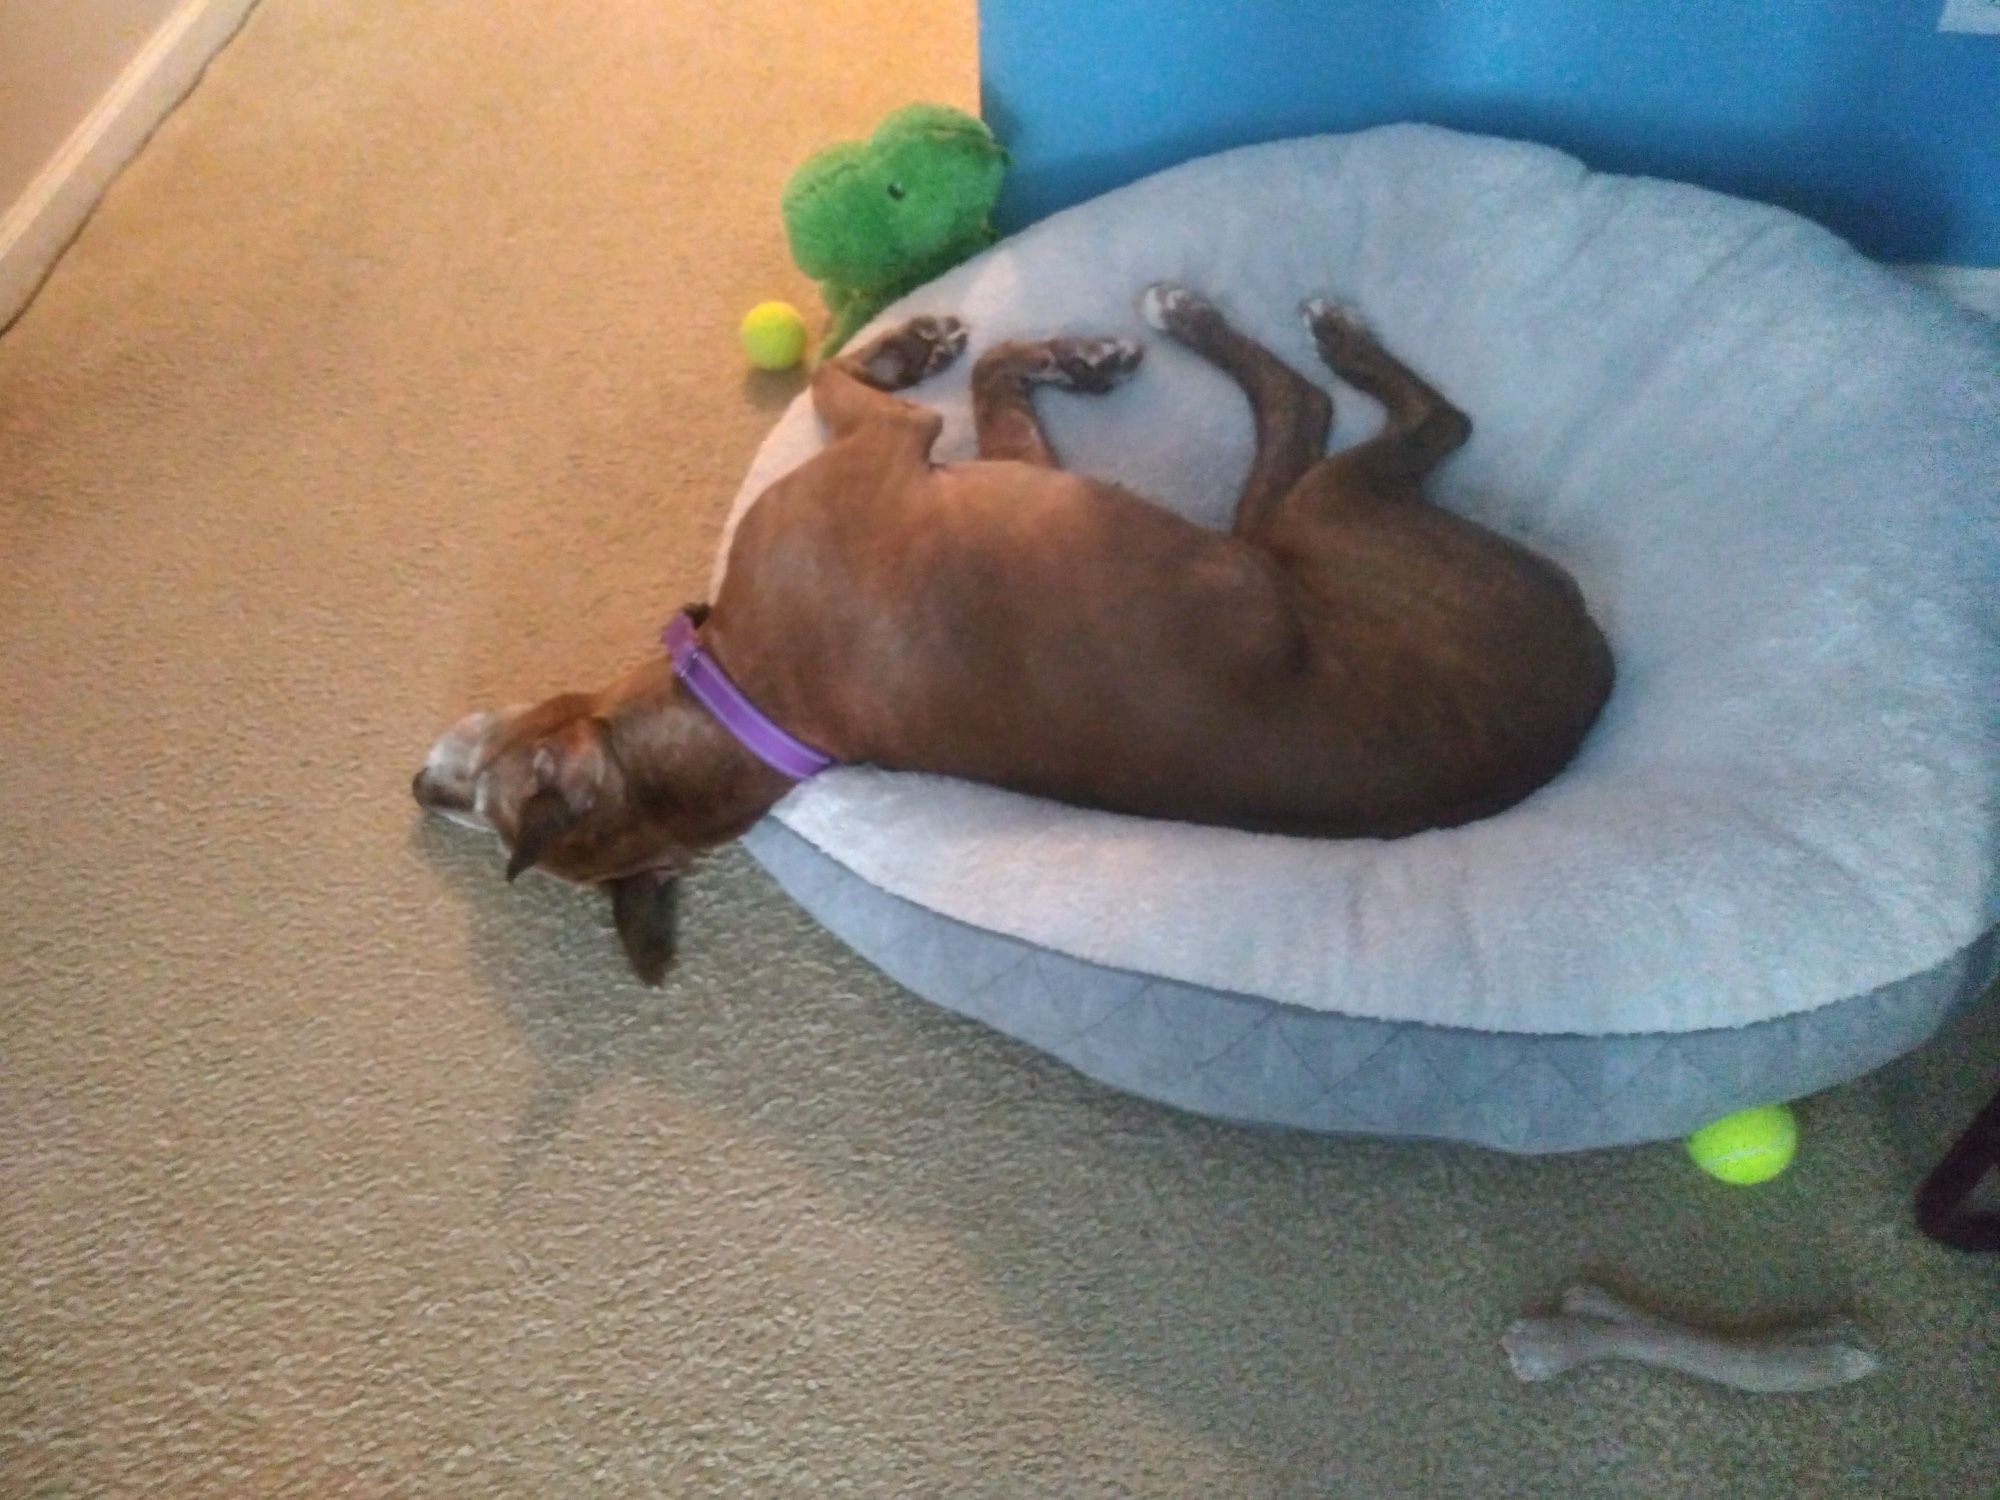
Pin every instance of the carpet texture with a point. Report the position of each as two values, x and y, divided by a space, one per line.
398 375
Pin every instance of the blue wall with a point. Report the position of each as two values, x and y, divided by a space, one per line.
1857 113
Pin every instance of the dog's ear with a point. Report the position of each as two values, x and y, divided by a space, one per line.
568 771
545 817
645 908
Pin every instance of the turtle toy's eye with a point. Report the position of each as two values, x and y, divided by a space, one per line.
896 191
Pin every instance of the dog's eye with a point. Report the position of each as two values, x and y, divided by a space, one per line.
896 191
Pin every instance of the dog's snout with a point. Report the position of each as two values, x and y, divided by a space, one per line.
435 795
447 782
439 794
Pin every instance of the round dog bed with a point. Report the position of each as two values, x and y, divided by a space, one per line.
1775 471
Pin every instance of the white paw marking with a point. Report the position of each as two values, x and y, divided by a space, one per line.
1161 302
1318 310
946 345
1107 351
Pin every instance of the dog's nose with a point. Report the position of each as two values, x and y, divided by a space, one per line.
437 794
448 782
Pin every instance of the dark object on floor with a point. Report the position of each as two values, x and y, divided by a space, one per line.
1941 1202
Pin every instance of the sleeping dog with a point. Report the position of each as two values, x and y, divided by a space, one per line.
1349 661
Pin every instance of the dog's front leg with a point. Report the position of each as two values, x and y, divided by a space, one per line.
853 391
1003 414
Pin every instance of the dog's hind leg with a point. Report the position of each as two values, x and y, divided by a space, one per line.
1003 381
1421 429
1292 414
1385 475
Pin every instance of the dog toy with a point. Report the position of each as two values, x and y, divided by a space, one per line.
774 335
1595 1325
871 221
1751 1146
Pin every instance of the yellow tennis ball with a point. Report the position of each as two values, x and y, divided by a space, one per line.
774 335
1753 1145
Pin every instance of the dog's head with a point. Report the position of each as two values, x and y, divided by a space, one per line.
620 789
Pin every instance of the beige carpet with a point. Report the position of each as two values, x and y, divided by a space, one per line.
396 376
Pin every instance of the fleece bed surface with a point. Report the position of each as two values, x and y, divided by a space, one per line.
1775 471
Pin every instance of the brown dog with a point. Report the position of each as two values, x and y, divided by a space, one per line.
1350 661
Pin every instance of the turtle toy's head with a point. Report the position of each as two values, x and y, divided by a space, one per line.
916 195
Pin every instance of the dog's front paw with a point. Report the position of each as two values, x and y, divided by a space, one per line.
942 341
1093 366
921 348
1175 310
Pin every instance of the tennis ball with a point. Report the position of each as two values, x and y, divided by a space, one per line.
1753 1145
774 335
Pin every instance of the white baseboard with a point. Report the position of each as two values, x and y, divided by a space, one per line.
38 226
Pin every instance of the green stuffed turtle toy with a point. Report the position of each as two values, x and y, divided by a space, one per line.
871 220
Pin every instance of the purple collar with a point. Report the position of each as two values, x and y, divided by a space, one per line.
703 676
